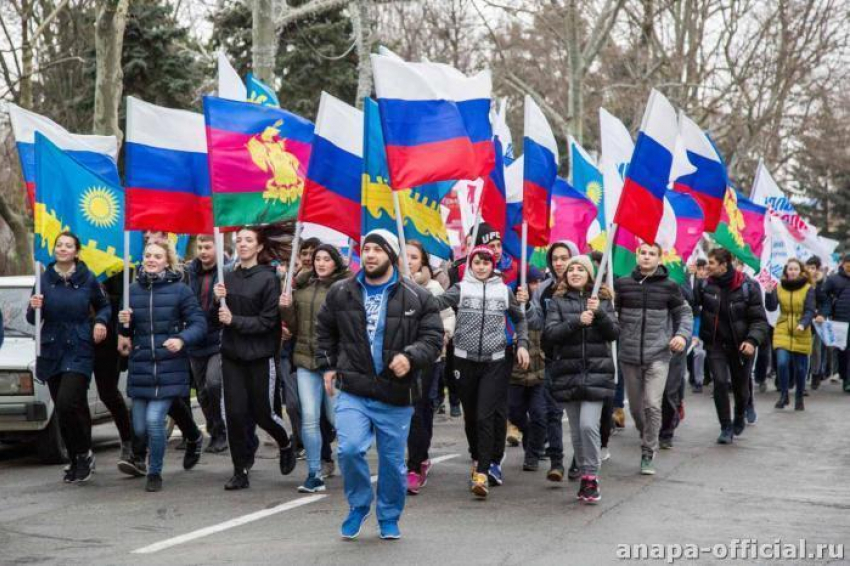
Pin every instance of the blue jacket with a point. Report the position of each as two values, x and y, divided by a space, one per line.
67 344
162 308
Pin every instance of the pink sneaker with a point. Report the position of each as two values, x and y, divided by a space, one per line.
414 483
424 470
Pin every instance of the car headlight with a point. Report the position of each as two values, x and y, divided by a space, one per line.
16 383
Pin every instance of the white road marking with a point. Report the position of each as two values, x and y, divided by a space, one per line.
250 518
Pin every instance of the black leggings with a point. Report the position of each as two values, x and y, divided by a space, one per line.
483 391
731 370
69 392
251 393
107 372
422 423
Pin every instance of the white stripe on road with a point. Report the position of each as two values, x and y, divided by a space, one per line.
243 520
250 518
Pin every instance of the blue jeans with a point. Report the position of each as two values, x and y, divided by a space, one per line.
357 418
313 399
149 422
791 365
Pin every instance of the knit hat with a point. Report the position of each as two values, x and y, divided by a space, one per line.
483 251
486 234
585 262
386 239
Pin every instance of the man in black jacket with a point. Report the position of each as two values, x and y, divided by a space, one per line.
202 274
733 324
375 332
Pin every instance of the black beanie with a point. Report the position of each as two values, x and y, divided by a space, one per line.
486 234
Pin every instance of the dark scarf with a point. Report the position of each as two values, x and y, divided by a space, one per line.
725 280
794 284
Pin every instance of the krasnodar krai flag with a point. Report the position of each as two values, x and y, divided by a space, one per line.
642 201
573 213
707 184
540 153
258 158
435 120
335 174
97 153
166 170
69 196
680 231
742 228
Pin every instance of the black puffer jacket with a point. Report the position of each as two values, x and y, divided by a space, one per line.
836 296
202 281
746 318
582 368
252 297
412 327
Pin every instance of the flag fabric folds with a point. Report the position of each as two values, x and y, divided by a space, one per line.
707 184
230 85
69 196
573 213
435 120
166 173
617 147
334 177
258 159
641 204
420 207
493 204
742 228
681 230
259 92
587 179
98 153
511 241
540 153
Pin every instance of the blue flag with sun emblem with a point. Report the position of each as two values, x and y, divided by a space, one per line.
587 179
69 196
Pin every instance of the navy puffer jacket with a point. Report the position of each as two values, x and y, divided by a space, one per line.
67 345
163 307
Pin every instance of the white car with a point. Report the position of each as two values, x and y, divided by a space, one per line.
26 410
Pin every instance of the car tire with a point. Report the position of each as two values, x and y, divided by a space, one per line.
49 444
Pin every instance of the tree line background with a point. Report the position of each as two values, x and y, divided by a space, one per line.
769 78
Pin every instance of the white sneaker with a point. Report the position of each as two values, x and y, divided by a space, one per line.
606 454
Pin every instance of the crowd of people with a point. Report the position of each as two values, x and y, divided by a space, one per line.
370 356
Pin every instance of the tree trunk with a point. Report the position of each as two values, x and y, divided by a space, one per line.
109 44
26 56
361 25
575 100
264 41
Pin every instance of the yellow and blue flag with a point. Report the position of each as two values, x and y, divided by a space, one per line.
260 93
69 196
420 206
587 179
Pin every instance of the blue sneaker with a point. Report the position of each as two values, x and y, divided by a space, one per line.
313 484
389 530
752 417
494 474
353 523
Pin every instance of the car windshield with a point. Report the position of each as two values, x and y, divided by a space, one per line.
13 304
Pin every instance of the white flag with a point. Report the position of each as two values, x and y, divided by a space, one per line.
617 147
230 85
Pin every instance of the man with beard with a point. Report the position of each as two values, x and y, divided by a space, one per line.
376 332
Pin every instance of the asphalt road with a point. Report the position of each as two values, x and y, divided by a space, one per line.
788 477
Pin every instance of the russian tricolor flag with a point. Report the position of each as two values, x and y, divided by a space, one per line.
99 154
641 204
493 203
540 170
335 173
511 241
167 176
436 121
708 183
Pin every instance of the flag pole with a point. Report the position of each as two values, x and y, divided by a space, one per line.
609 278
606 259
38 310
399 221
219 258
296 241
523 263
350 251
125 287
